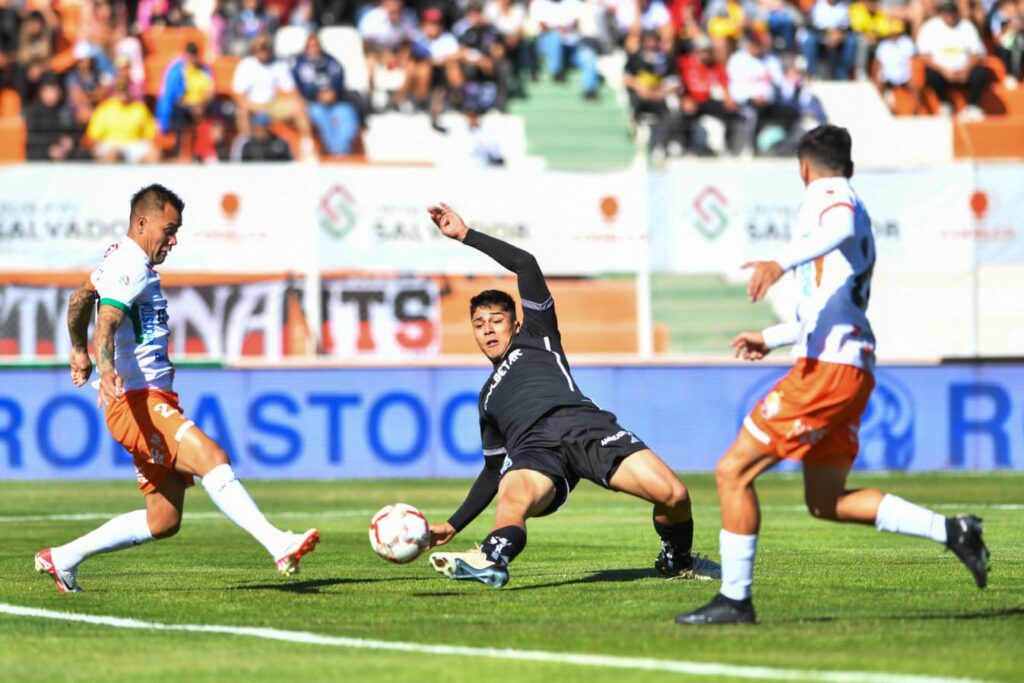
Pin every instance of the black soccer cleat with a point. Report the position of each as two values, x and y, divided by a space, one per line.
674 565
721 610
963 537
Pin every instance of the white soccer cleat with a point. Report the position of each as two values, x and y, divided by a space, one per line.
66 579
471 566
701 568
300 546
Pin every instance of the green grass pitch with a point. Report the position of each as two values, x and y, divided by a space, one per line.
829 597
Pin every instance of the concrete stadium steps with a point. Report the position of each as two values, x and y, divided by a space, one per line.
595 316
572 133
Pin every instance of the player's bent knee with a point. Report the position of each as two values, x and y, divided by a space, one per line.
727 473
821 509
164 525
677 496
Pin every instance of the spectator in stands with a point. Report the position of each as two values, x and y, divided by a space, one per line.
953 54
280 12
36 48
509 17
633 17
52 134
755 79
242 27
650 78
334 12
388 32
726 19
434 74
10 22
321 80
185 99
87 86
122 129
687 17
482 54
560 43
1007 28
706 93
782 20
262 144
262 84
871 25
127 46
829 33
894 55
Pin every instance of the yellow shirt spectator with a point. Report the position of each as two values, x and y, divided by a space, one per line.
119 122
868 21
198 86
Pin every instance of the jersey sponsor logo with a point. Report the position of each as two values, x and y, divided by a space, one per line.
501 371
806 434
614 437
125 280
505 465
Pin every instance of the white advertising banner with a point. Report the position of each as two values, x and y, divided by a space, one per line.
997 213
574 223
239 219
712 218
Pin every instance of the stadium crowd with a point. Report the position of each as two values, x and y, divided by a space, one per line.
208 80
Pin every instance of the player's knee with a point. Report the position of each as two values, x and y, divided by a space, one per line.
822 508
211 456
727 473
164 525
677 496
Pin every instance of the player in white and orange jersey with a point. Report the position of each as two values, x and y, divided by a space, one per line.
813 414
142 412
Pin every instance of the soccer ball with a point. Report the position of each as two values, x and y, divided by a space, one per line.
399 533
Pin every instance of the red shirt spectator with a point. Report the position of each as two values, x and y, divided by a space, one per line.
699 79
678 10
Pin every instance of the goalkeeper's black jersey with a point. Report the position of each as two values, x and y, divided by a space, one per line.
533 377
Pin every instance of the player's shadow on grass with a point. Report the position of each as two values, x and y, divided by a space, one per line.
603 576
314 585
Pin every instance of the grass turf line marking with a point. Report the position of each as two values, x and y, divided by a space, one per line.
564 658
199 516
189 516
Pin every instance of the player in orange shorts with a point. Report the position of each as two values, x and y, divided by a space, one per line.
813 414
135 386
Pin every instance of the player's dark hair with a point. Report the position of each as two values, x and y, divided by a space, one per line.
154 198
828 147
493 297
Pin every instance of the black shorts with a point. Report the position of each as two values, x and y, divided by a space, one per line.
573 443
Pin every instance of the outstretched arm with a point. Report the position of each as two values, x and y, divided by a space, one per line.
79 314
533 289
479 497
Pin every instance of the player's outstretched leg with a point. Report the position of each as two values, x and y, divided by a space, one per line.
161 519
199 455
644 475
828 498
522 494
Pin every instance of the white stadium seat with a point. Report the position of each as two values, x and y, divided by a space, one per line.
289 42
346 45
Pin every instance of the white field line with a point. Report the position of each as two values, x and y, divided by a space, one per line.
701 669
189 516
202 516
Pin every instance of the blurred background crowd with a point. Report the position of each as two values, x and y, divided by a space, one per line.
260 80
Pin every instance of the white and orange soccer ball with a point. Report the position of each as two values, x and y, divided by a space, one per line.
399 533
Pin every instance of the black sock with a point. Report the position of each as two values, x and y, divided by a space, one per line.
504 544
678 536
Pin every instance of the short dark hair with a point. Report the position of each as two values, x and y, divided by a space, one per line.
154 198
493 297
827 147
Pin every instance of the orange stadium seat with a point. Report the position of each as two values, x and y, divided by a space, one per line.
223 73
12 139
10 103
172 40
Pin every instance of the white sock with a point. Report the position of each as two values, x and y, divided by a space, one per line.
122 531
234 501
737 553
898 516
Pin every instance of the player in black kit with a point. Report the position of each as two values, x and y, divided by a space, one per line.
541 435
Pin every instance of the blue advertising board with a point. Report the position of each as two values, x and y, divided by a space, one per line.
366 423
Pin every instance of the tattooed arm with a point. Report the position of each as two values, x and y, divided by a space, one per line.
79 314
107 320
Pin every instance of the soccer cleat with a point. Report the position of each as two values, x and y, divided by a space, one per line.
471 566
686 566
963 537
301 545
66 579
721 610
